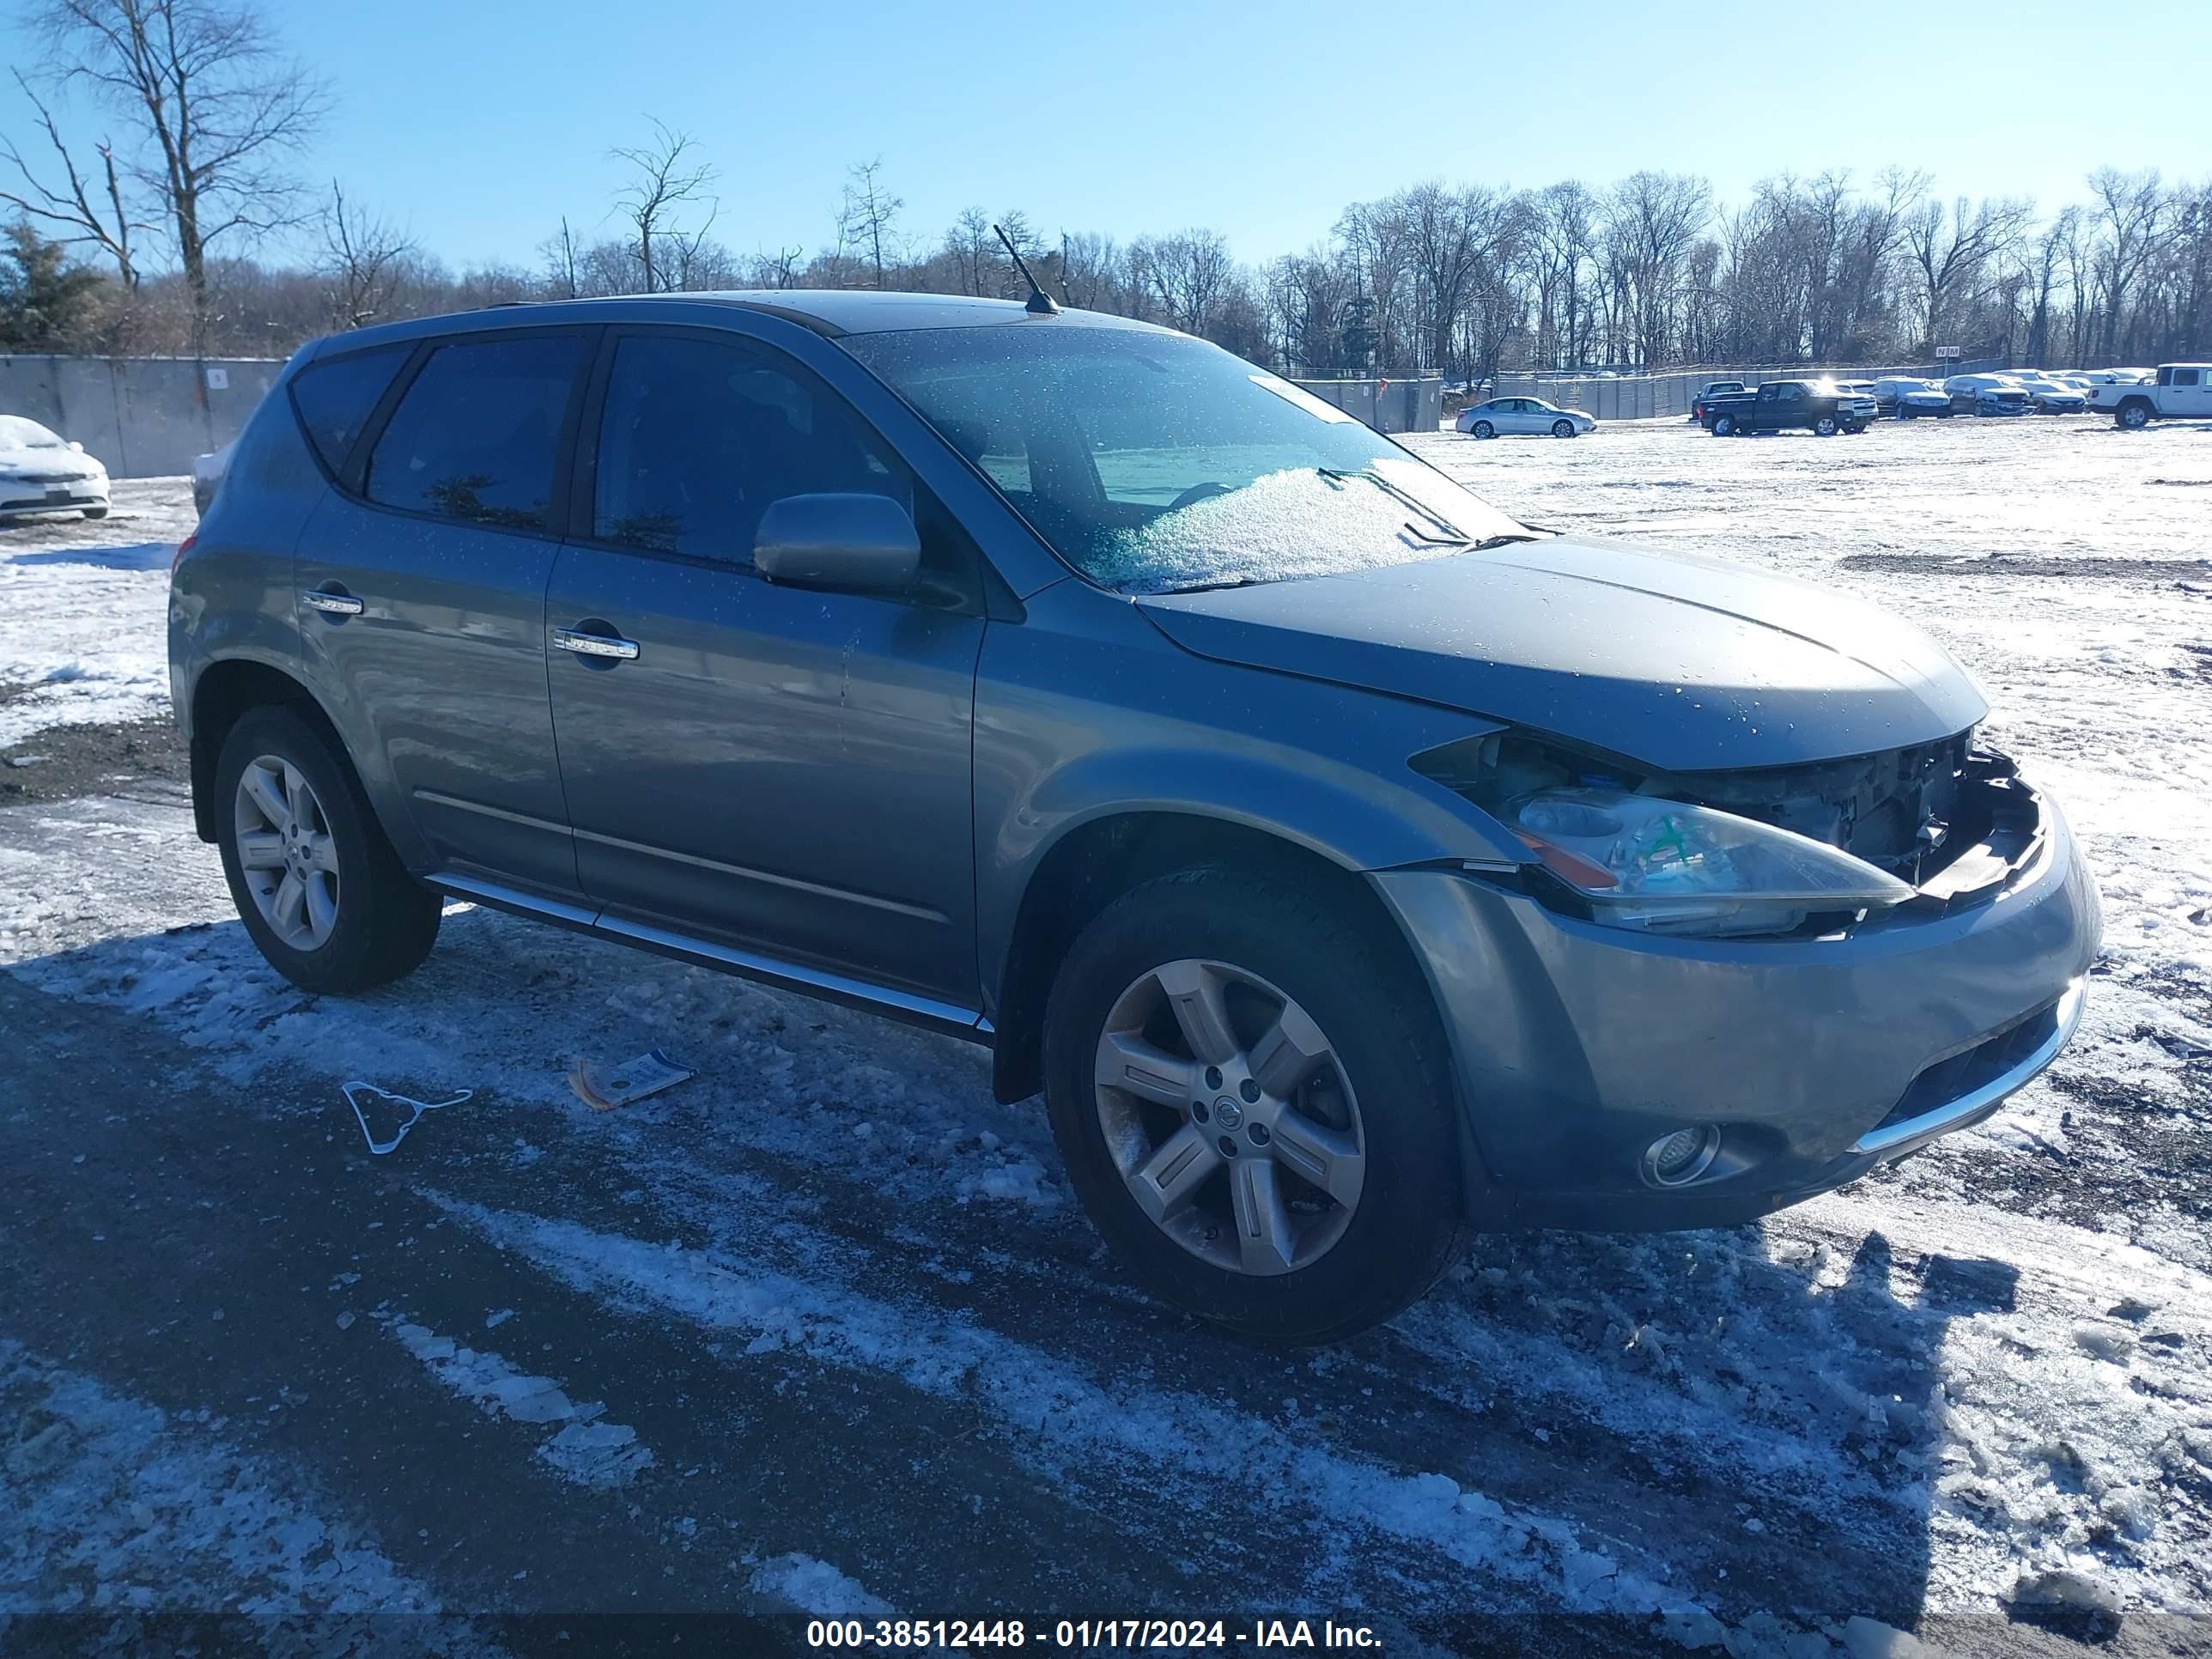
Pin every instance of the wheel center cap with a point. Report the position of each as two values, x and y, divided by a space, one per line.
1228 1113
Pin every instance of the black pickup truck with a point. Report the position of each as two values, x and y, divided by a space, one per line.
1819 406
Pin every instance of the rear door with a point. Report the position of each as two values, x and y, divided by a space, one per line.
784 770
421 581
2190 394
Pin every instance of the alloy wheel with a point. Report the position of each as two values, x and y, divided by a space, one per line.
286 852
1228 1117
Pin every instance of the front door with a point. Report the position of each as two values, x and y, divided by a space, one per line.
784 768
421 594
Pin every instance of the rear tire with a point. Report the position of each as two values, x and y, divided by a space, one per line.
1825 427
2132 415
1723 426
370 922
1368 1076
1483 430
96 512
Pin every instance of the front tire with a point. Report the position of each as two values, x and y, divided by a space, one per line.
1563 428
1253 1100
321 892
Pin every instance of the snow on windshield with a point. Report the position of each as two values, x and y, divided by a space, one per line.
1151 461
1307 521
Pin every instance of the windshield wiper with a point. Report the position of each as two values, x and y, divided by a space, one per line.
1462 542
1337 475
1212 587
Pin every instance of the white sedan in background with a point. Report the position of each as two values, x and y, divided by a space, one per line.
1501 416
40 472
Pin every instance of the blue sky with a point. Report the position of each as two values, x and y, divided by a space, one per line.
478 122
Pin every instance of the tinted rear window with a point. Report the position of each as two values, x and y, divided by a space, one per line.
477 435
334 399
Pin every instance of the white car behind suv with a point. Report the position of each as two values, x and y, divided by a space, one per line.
1502 416
40 472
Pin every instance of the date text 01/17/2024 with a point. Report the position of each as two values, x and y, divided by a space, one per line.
1087 1635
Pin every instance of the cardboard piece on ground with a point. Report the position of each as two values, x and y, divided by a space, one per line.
603 1088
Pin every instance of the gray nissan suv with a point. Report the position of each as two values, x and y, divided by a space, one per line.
1348 864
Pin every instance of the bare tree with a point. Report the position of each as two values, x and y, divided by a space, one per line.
216 110
1651 219
364 256
668 177
560 255
1189 273
71 208
868 216
971 247
2134 206
1951 248
778 269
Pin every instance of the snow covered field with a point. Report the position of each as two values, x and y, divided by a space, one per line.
821 1327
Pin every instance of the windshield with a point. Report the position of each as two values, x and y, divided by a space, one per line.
17 432
1155 463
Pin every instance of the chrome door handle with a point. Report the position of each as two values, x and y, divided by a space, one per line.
596 645
336 604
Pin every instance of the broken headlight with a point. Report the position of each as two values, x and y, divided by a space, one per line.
1663 866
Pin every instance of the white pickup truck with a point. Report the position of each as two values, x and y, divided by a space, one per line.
2178 391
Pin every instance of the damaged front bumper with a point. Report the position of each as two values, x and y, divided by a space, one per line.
1579 1046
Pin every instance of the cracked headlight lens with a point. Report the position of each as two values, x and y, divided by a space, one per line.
1664 867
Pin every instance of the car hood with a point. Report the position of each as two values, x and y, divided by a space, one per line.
1683 665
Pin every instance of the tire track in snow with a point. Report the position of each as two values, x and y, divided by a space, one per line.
1171 1444
120 1508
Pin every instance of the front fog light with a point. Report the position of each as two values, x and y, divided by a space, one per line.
1677 1159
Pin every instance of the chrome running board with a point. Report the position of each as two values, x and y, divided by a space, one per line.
925 1011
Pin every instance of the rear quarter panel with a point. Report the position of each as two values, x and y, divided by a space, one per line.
232 598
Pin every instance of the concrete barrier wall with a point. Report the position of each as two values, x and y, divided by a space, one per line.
144 418
1409 405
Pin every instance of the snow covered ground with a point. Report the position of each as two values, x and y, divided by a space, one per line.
821 1328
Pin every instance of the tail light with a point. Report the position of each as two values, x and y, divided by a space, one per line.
183 548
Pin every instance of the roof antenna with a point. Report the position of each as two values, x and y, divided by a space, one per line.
1040 302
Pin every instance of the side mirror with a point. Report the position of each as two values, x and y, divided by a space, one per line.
860 544
77 446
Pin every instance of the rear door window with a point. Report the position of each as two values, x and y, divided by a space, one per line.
334 398
477 435
2185 376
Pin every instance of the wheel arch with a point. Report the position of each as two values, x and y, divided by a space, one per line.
225 691
1094 862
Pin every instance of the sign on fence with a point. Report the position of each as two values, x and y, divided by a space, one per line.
1947 351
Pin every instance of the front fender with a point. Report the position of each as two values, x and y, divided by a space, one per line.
1084 711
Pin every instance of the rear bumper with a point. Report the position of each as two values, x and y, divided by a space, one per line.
1578 1046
